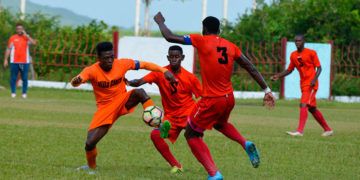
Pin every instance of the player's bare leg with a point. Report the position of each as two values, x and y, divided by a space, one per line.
201 151
93 137
139 96
321 120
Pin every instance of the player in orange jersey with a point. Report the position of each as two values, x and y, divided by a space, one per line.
18 51
107 77
177 100
308 65
217 57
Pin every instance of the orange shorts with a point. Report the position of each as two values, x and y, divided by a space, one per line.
308 96
177 124
209 111
108 113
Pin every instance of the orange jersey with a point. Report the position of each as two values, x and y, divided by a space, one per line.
305 62
217 56
108 85
19 49
177 99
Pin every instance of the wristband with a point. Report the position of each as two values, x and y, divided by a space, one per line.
267 90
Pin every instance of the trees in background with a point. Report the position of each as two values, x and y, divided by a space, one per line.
319 20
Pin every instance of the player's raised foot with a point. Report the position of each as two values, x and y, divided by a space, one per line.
176 170
86 169
164 129
253 154
217 176
327 133
295 133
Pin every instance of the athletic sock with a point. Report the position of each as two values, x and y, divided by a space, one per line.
321 120
91 158
202 154
163 148
148 103
302 119
231 132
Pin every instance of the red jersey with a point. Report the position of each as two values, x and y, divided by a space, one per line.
19 49
108 85
217 56
176 99
305 62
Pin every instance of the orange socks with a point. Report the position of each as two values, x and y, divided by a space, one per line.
91 158
148 103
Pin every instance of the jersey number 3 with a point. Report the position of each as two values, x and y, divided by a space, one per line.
224 58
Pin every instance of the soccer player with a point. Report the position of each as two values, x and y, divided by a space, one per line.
18 51
308 65
107 77
177 100
217 57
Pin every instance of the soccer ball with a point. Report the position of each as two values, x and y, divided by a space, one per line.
152 116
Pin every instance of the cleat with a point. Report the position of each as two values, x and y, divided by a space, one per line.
164 129
87 169
13 95
176 170
327 133
252 153
296 133
217 176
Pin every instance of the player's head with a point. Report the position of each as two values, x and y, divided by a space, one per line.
299 41
175 56
211 25
105 54
19 28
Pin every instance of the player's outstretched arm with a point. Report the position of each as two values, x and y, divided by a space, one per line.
136 82
153 67
280 75
76 81
166 32
269 99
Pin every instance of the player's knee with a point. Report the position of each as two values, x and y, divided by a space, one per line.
154 134
312 109
89 146
141 94
190 133
218 126
302 105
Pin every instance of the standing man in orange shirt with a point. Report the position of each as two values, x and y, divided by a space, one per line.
107 77
177 100
308 65
20 59
217 57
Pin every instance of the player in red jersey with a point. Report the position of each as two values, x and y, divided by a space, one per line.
107 77
217 57
307 63
177 100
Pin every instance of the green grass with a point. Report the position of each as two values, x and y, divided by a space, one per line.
42 137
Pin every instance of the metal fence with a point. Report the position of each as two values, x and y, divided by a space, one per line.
64 57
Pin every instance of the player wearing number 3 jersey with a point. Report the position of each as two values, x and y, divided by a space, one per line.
217 57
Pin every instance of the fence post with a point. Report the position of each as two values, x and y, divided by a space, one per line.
283 63
331 42
116 43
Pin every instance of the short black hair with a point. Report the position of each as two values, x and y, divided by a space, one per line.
176 48
300 35
212 24
104 46
19 24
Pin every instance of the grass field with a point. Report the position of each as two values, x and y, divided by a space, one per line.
42 137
